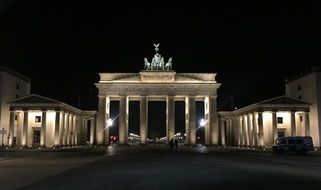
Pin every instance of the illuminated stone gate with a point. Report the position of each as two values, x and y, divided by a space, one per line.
158 83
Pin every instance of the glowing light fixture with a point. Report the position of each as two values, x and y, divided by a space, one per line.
109 122
202 122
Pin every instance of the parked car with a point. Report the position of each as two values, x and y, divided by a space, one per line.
297 144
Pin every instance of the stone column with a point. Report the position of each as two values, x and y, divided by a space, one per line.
222 125
213 121
274 127
260 125
92 131
66 139
62 129
11 128
239 127
123 120
190 120
25 129
254 125
143 119
249 129
207 124
307 123
73 131
170 117
64 134
57 128
107 117
69 129
77 131
187 139
19 128
230 131
85 129
43 129
245 137
293 124
103 102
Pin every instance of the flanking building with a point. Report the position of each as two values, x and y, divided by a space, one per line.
307 86
259 124
12 86
37 121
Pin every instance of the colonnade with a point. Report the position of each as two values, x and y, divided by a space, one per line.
226 131
211 127
57 128
260 129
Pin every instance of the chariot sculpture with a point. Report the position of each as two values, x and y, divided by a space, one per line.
157 62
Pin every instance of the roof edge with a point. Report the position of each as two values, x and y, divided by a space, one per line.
15 73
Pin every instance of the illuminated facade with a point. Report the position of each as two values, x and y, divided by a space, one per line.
37 121
308 87
12 85
258 125
157 83
167 86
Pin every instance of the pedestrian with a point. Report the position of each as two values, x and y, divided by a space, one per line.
171 145
176 144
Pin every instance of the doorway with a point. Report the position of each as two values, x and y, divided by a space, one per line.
36 137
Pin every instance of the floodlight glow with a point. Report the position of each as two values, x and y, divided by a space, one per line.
202 123
109 122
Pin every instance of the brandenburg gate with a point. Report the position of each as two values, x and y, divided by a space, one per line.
158 82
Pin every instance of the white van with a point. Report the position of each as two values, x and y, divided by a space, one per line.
297 144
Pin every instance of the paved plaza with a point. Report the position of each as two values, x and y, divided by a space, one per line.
154 167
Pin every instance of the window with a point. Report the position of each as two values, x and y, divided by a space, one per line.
291 141
300 97
37 119
301 118
16 117
280 120
299 87
299 141
17 96
17 87
283 141
281 134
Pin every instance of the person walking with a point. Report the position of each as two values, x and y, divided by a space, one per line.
171 145
176 144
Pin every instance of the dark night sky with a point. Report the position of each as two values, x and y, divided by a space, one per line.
62 45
